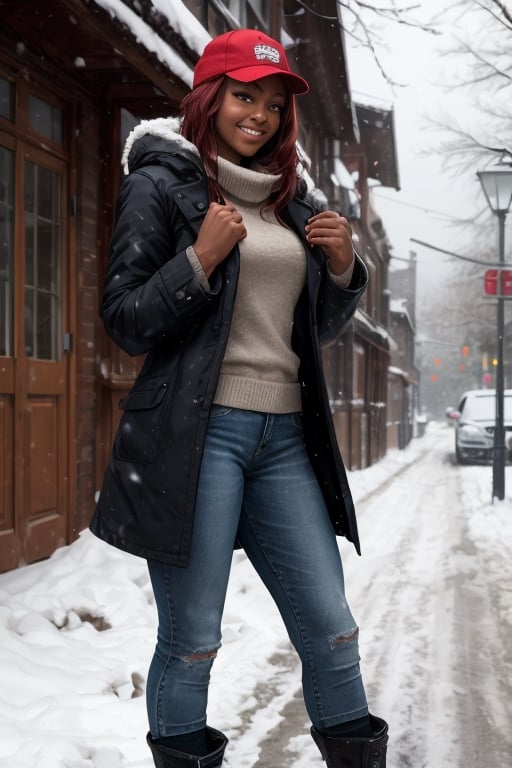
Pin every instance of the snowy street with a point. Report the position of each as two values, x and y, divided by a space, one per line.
432 594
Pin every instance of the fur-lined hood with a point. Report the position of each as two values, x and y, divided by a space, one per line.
166 128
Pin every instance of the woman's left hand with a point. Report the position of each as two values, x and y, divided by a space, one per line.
333 233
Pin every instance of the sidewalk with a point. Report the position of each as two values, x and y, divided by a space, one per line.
290 737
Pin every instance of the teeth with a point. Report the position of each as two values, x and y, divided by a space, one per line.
250 131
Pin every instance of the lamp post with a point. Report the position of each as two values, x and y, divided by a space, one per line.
497 186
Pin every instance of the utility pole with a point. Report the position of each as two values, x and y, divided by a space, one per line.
500 449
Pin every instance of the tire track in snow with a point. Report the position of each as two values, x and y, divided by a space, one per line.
405 609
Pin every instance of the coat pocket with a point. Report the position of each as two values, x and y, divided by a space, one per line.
138 434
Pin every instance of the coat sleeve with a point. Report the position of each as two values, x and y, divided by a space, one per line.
337 305
151 293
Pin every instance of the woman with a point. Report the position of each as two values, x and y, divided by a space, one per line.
229 282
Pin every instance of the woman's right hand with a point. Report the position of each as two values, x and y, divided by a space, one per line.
221 230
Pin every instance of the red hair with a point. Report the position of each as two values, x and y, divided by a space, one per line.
277 156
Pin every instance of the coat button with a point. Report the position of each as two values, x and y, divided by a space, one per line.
201 206
179 295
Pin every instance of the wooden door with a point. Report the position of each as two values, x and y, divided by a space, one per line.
9 548
34 359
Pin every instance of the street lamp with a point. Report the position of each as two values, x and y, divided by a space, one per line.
497 186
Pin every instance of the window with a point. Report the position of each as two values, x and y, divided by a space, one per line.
46 119
236 8
32 221
359 377
42 262
257 14
247 13
6 248
6 99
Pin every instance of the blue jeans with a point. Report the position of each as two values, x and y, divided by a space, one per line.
256 486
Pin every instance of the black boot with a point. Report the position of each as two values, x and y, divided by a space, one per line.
165 757
352 752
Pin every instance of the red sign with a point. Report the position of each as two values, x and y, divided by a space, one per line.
491 282
498 282
506 282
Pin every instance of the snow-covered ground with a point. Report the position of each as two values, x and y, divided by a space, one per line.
77 632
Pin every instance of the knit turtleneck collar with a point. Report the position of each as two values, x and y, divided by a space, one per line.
244 183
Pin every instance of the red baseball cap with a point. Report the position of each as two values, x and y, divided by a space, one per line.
246 55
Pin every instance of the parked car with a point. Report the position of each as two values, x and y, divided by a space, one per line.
475 419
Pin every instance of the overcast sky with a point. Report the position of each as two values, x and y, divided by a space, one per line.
432 199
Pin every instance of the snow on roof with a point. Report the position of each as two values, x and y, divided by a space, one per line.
180 19
184 22
378 329
405 375
398 305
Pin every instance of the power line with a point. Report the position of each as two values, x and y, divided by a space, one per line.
456 255
421 208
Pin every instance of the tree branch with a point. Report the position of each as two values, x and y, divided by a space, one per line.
361 30
502 7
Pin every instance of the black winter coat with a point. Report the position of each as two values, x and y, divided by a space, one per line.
154 304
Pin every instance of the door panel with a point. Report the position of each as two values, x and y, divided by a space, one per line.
44 523
46 448
9 546
43 420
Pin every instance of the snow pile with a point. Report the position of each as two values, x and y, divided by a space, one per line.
77 634
490 528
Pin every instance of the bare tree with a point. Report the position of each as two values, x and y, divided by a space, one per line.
483 73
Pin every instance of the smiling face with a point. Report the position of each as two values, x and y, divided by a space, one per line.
249 116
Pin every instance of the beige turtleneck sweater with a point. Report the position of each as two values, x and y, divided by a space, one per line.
260 370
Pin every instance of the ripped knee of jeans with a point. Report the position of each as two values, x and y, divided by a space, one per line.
197 656
344 637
